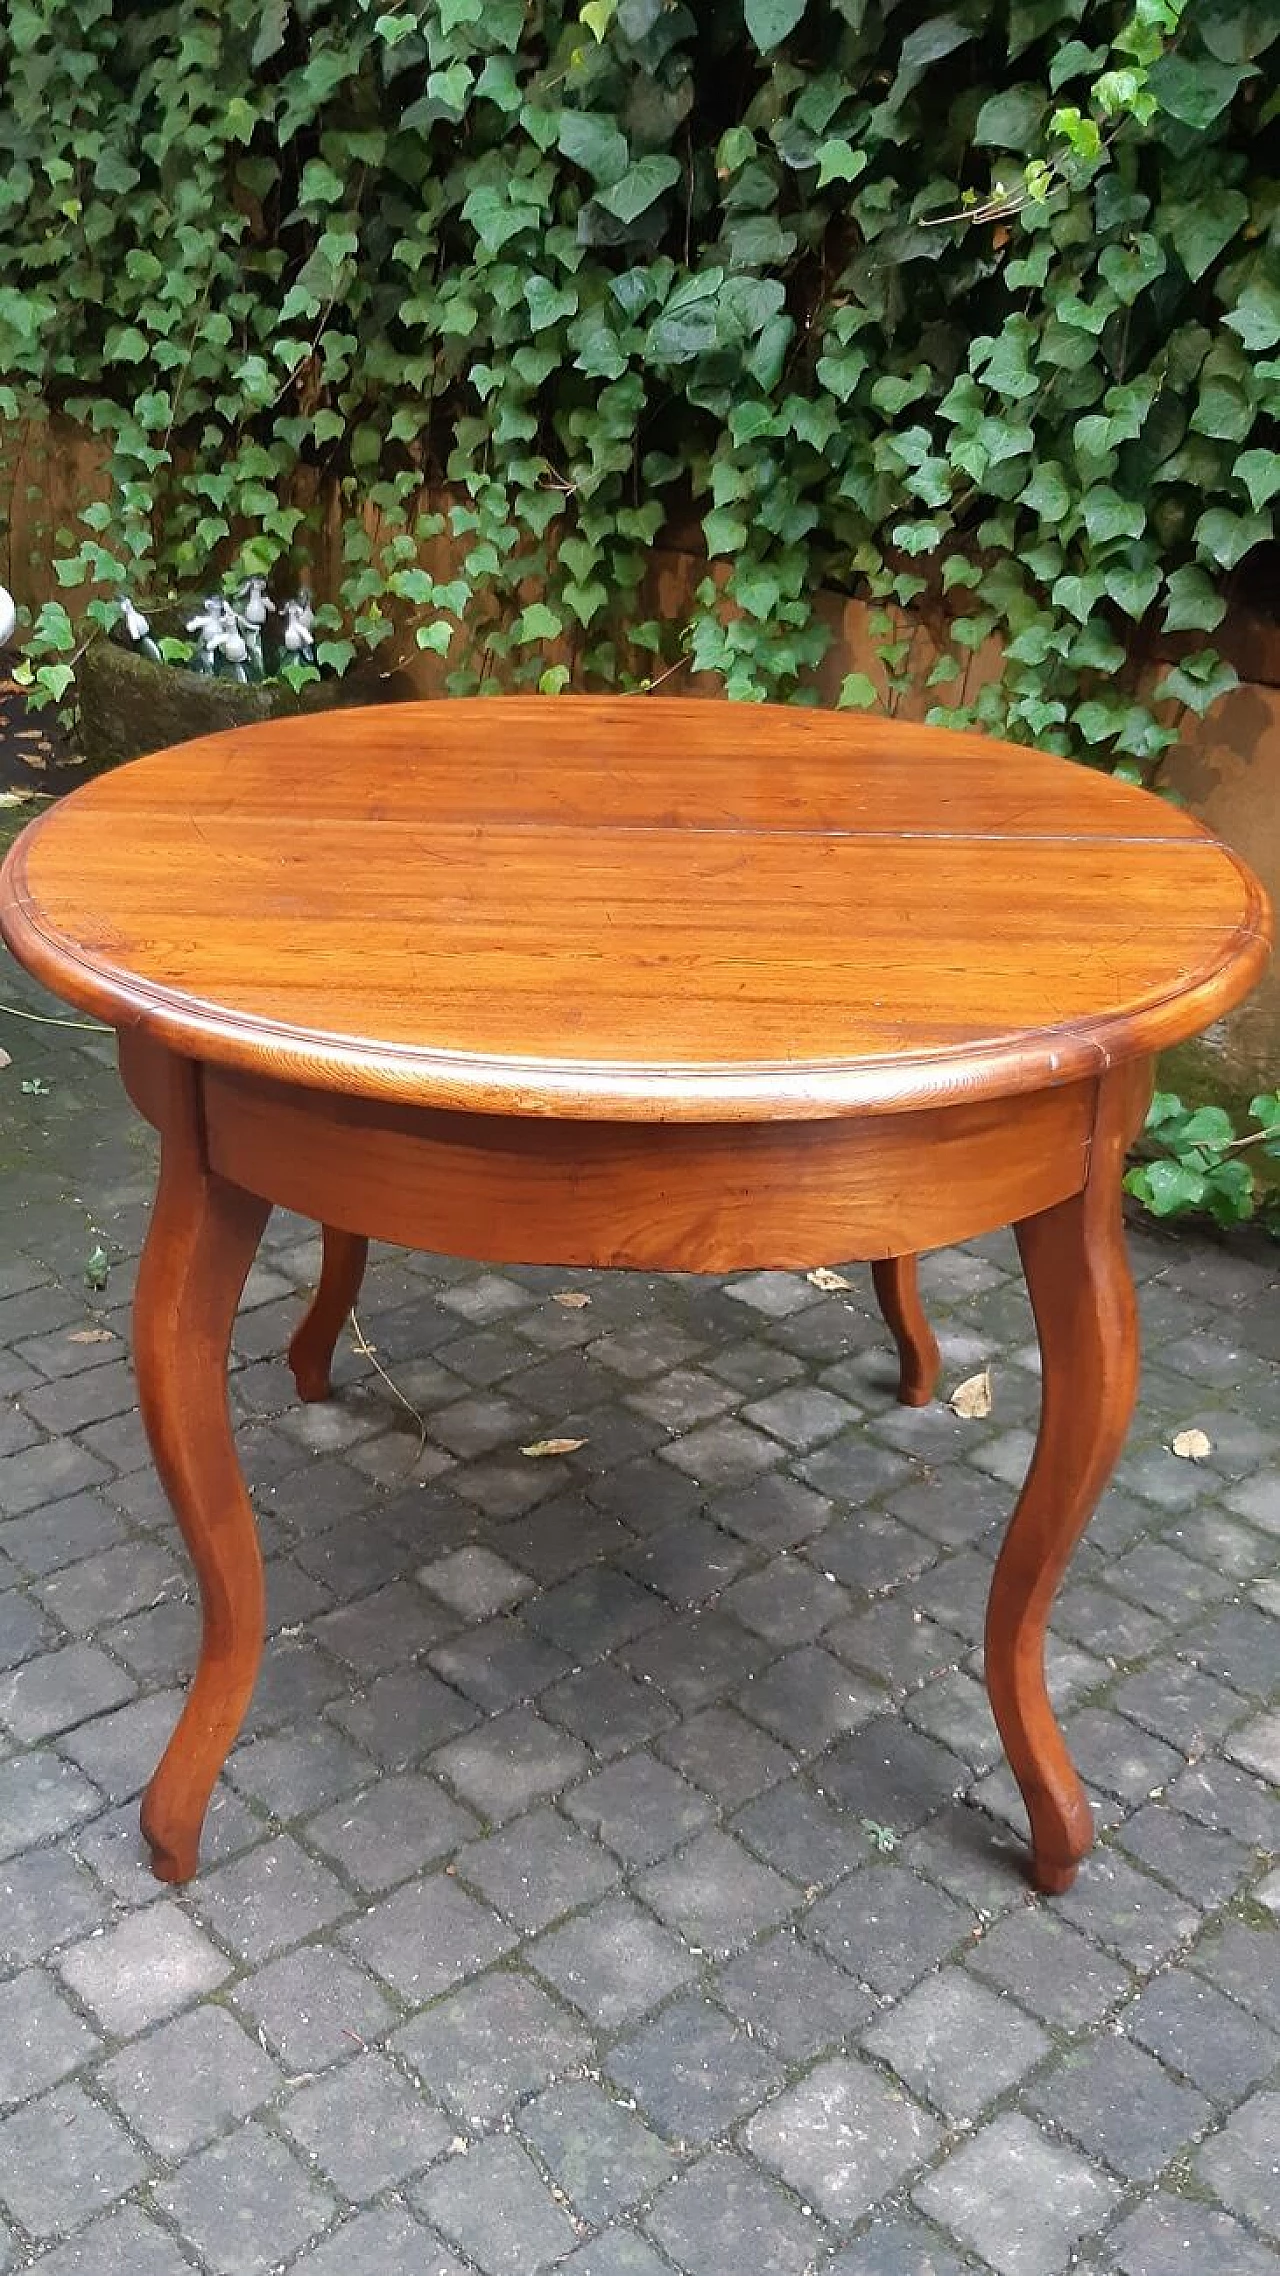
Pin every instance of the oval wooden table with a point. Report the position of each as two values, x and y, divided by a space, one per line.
665 984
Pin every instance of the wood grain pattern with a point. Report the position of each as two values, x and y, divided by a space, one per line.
897 1285
315 1339
615 908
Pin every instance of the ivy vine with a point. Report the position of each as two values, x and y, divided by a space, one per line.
972 310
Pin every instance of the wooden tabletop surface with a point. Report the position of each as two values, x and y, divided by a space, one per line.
629 907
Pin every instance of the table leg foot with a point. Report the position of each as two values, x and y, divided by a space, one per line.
898 1293
311 1352
1082 1295
201 1243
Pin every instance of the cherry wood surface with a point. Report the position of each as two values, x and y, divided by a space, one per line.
670 909
677 985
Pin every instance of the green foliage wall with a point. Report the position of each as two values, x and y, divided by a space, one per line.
976 301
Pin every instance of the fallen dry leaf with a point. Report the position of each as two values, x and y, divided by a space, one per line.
5 1060
541 1446
828 1281
91 1335
16 797
971 1400
1192 1445
573 1299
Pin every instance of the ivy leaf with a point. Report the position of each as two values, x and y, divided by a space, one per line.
1010 120
1132 587
1047 493
1202 227
640 187
1193 604
857 693
1259 470
1196 92
770 21
1256 316
840 162
929 43
723 531
1226 537
591 139
1107 515
1237 31
537 623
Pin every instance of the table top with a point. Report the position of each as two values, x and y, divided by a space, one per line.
634 908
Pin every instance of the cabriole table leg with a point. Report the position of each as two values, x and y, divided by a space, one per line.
1078 1278
897 1286
202 1240
315 1341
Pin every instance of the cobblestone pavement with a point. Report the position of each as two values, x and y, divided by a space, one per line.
617 1871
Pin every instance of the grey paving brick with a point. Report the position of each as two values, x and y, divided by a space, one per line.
694 2072
894 1641
538 1869
1115 1754
788 1602
1241 1960
718 1455
391 1829
726 1756
617 2252
1128 1911
723 2216
124 2243
1206 2037
510 1762
682 1397
1204 1865
929 2039
1171 2235
717 1894
312 2005
245 2203
427 1937
842 2138
1239 1647
869 1550
1240 2163
270 1899
494 2205
639 1807
1257 1746
613 1964
120 1750
696 1657
61 1688
903 2245
46 1899
43 1473
500 1664
57 1533
891 1774
593 1612
365 2127
1051 1969
475 1582
689 1563
24 1629
387 2239
774 1512
62 2159
404 1715
379 1632
491 2043
189 2080
1022 2201
888 1927
1121 2106
792 1829
807 1698
1220 1795
600 2153
41 2038
291 1773
146 1967
792 1998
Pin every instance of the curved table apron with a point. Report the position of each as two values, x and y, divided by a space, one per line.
675 985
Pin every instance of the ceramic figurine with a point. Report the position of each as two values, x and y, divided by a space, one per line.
233 648
137 628
8 617
256 606
208 625
300 629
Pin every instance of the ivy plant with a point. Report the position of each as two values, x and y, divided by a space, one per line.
969 310
1198 1162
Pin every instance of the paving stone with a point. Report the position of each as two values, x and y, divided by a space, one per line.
774 1294
1051 1969
124 2243
593 1612
1173 2235
290 1773
1121 2106
723 2217
1241 2166
1240 1648
1115 1754
696 1657
44 1473
1019 2199
1202 2035
312 2006
775 1512
842 2139
1127 1910
494 2205
716 1894
900 2246
499 1664
145 1968
690 1563
189 2080
869 1550
387 2239
929 2039
792 1998
46 1899
890 1774
613 1964
601 2154
404 1715
63 2158
807 1698
391 1830
894 1641
475 1582
1241 1960
888 1927
788 1602
725 1755
426 1937
537 1869
1220 1795
795 1831
1257 1747
120 1750
245 2203
718 1455
510 1762
41 2039
491 2043
379 1632
365 2126
694 2072
618 2252
270 1899
1204 1865
61 1688
639 1808
58 1533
